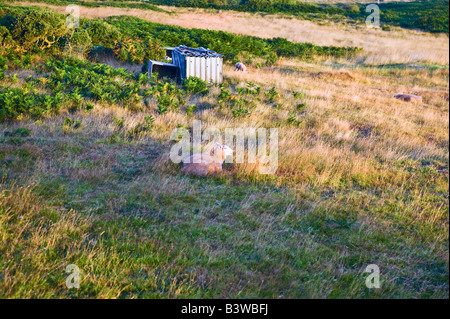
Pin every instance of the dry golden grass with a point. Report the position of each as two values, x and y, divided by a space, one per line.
397 46
350 118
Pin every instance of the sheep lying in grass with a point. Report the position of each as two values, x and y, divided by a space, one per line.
240 67
202 164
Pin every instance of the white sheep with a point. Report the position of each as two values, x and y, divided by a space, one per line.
202 164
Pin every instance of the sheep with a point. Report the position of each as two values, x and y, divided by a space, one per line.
408 97
202 164
240 67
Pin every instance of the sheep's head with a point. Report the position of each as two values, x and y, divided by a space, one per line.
226 151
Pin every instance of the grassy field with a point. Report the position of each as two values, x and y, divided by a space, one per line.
362 179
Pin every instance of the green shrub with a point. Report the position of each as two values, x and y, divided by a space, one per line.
14 79
224 94
6 40
3 64
293 120
68 121
141 128
16 102
272 94
77 124
298 95
118 122
79 40
89 107
34 28
162 109
194 85
98 82
190 109
103 34
240 112
300 106
252 88
20 132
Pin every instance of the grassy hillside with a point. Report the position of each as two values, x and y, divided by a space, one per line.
228 44
137 40
85 177
426 15
97 4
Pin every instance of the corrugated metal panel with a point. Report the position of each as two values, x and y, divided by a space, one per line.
203 69
213 70
220 73
193 66
197 67
189 68
208 70
216 62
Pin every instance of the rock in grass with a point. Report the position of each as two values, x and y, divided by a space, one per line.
408 97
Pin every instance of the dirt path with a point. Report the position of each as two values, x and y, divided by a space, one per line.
399 46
